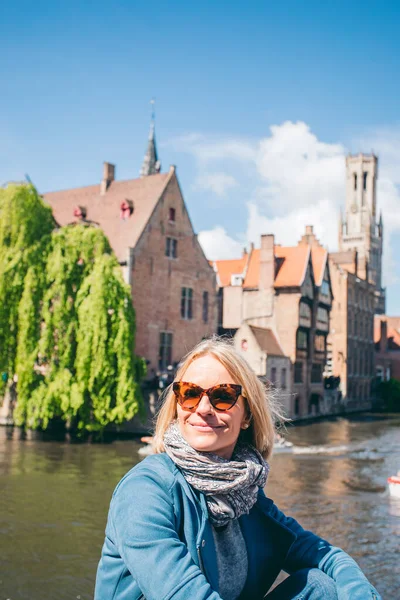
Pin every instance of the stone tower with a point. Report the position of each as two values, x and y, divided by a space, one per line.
359 229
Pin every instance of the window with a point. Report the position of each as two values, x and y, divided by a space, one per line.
320 342
297 406
355 181
171 247
365 175
316 373
325 288
172 215
305 314
187 303
302 339
283 379
205 307
165 351
298 372
273 375
322 315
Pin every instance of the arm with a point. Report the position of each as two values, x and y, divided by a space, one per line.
350 581
311 551
142 523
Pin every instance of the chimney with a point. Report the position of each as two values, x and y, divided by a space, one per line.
267 262
108 177
383 340
309 229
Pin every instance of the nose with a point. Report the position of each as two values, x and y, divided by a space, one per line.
205 407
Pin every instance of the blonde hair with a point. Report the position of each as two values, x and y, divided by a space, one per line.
260 403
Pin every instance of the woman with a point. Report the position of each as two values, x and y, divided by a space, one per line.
193 522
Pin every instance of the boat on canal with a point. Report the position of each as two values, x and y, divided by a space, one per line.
394 485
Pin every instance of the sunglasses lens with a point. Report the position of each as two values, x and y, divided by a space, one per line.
188 396
223 398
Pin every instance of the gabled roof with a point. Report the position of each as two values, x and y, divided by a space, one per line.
267 340
319 257
292 265
104 209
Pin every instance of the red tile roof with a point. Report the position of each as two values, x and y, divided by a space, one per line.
227 268
105 209
293 265
319 256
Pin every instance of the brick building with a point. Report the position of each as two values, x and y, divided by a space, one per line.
286 290
149 229
260 347
387 347
351 343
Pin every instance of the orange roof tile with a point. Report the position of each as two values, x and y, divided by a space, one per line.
253 271
105 209
293 268
227 268
319 257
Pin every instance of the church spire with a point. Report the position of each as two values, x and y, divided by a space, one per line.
151 164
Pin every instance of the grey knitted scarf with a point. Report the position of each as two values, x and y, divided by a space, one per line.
230 486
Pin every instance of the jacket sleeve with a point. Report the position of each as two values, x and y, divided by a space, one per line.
350 581
143 524
310 551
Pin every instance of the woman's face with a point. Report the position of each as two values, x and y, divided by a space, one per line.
206 429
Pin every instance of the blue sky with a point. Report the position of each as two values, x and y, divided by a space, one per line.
244 91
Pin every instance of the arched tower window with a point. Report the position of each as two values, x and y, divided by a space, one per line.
355 181
365 175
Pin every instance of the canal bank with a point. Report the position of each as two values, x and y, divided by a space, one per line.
55 498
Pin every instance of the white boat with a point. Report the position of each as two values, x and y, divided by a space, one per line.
394 485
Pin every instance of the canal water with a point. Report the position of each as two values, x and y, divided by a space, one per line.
54 499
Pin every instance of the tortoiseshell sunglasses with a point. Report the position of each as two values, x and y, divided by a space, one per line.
222 397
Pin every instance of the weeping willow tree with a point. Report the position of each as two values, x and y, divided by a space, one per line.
73 324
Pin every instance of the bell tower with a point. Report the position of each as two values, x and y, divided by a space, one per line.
359 229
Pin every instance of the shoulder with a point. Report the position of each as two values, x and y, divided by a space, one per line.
158 468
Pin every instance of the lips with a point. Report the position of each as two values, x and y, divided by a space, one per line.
204 427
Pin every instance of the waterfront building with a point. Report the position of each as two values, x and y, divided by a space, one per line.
359 229
351 341
149 228
261 349
285 290
387 347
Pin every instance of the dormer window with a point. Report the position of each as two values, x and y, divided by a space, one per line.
126 209
172 215
80 212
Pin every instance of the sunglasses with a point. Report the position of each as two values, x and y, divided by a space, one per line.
222 397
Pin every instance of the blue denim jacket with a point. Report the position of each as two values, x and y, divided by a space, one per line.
159 544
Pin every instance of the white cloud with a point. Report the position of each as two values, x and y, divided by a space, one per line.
292 179
219 183
218 245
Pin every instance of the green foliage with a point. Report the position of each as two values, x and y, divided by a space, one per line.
389 392
67 323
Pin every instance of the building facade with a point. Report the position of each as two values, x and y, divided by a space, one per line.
387 347
286 290
359 229
149 228
351 342
261 349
